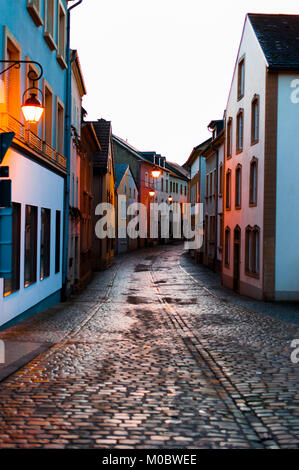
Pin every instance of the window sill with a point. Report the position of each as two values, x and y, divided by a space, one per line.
253 275
50 41
34 13
253 204
61 61
240 97
238 208
254 142
228 157
238 151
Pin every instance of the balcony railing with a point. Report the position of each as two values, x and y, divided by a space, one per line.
9 123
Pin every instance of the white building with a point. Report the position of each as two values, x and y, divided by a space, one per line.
213 209
261 222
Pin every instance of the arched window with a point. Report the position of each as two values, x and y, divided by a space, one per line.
241 78
228 189
252 246
240 130
255 120
253 182
229 138
238 187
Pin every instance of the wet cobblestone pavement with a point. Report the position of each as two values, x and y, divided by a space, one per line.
148 358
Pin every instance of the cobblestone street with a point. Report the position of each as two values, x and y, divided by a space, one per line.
148 357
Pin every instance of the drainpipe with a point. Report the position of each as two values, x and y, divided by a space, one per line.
67 150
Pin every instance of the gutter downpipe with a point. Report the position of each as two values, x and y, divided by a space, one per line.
67 149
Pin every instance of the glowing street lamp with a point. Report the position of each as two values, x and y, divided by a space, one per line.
170 198
32 109
152 193
156 173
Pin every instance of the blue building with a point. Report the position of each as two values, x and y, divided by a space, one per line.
35 31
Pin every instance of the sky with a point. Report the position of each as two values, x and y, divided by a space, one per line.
161 70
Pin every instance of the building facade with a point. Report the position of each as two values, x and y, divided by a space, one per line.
76 156
261 192
196 164
126 194
37 157
213 210
104 192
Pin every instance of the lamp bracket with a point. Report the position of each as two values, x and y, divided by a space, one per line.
17 63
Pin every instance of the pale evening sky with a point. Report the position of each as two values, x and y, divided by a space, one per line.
161 70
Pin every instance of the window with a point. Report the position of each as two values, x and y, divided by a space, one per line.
240 127
59 127
45 243
13 284
252 250
255 120
33 7
228 190
227 247
166 184
215 183
207 185
211 185
238 187
221 231
253 183
57 240
61 36
48 116
241 78
146 179
49 23
229 138
125 190
185 191
171 186
30 245
162 184
177 188
220 180
206 232
12 80
181 189
212 228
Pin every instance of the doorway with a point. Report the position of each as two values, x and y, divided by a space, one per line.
237 258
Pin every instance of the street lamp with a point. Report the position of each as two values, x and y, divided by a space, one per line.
156 173
170 198
152 193
32 108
